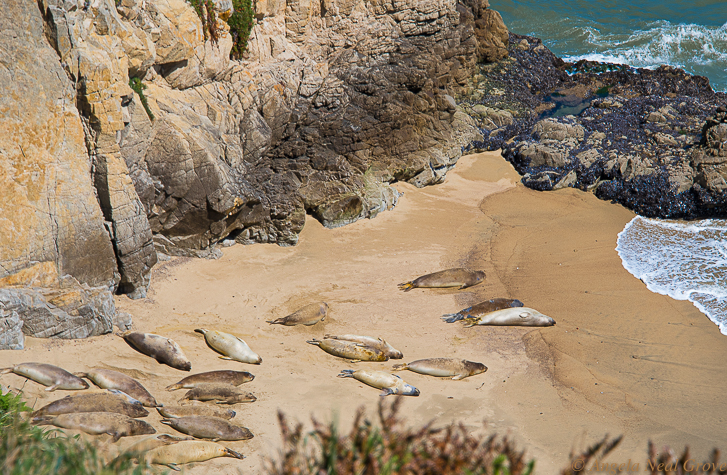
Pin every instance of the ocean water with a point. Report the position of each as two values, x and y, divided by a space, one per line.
690 34
685 260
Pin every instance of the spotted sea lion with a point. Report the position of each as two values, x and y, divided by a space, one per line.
109 379
97 423
308 315
458 277
161 348
234 378
443 367
371 342
515 316
481 308
206 427
350 350
106 401
170 412
47 375
230 346
389 383
220 393
188 452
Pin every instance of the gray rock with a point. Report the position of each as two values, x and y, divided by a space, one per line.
11 326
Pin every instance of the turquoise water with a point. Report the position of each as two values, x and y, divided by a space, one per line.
688 34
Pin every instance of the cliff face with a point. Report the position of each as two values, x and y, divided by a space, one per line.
333 101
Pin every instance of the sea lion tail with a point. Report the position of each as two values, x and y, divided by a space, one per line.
173 387
166 421
452 317
406 286
232 453
42 420
400 367
346 373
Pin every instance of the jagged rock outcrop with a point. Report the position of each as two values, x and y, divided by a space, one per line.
649 139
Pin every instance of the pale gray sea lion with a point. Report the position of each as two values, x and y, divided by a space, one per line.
170 412
443 367
389 383
308 315
161 348
230 346
109 379
350 350
515 316
95 402
220 393
48 375
97 423
234 378
154 441
188 452
205 427
458 277
371 342
481 308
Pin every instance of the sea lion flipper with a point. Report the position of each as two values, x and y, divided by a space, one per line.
81 374
354 361
386 392
115 436
6 370
274 322
173 466
458 377
224 358
406 286
452 317
232 453
400 367
314 342
52 388
346 373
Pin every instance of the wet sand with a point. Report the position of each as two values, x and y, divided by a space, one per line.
621 360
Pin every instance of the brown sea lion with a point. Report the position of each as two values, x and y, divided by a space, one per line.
443 367
95 402
234 378
350 350
205 427
47 375
515 316
390 383
220 393
230 346
308 315
109 379
371 342
458 277
188 452
97 423
161 348
170 412
481 308
154 441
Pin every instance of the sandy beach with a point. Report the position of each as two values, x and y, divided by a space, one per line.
621 360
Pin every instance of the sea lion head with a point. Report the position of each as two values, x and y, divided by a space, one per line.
473 367
140 428
533 318
409 390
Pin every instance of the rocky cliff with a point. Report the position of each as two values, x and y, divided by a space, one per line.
330 103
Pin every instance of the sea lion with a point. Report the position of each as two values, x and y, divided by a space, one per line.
47 375
220 393
234 378
390 383
170 412
350 350
109 379
308 315
188 452
230 346
458 277
154 441
443 367
515 316
371 342
161 348
205 427
97 423
481 308
95 402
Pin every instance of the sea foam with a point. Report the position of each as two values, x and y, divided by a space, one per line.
684 260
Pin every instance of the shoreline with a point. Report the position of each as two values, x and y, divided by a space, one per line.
538 247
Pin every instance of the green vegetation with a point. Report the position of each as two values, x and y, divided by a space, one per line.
604 91
206 12
29 450
241 23
138 87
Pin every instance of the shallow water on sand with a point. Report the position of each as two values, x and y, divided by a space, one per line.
642 33
685 260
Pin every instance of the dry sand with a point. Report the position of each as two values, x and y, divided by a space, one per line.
621 360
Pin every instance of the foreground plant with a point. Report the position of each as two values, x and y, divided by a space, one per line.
394 449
